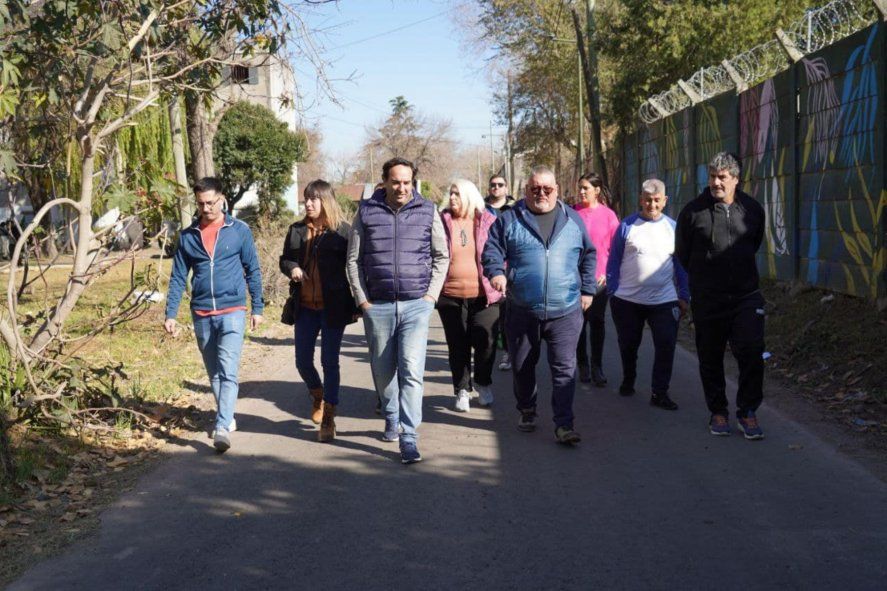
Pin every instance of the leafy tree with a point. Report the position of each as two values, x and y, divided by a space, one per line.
406 133
253 149
73 76
643 47
647 45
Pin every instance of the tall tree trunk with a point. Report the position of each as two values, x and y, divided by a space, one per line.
87 248
178 153
201 132
589 71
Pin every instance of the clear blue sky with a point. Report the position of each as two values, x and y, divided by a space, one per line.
395 47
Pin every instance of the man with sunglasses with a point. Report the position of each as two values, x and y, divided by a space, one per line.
220 252
540 256
499 201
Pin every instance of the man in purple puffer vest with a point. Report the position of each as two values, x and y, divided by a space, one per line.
397 263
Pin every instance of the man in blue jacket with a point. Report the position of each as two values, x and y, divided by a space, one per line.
220 252
541 254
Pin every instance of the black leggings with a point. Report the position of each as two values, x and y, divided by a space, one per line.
593 323
468 324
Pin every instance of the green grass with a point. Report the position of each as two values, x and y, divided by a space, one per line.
158 366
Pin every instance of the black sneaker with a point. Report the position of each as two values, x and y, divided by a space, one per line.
598 377
409 453
626 389
527 422
663 402
567 436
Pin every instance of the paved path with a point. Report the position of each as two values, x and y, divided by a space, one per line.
649 500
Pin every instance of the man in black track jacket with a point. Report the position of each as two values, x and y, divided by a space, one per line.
717 237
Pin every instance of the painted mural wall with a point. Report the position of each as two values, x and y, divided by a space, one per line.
812 144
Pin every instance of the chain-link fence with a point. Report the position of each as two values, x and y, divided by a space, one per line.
818 28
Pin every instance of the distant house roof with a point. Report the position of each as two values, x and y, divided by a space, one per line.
356 191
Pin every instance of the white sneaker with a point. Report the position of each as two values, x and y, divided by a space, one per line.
505 363
231 429
484 395
462 404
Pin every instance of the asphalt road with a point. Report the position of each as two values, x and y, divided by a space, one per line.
649 500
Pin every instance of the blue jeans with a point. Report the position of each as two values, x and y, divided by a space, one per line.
220 339
397 334
309 324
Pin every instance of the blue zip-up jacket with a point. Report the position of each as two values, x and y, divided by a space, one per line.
545 280
220 281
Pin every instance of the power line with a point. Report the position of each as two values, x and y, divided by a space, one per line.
388 32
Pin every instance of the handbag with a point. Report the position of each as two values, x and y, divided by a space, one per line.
286 315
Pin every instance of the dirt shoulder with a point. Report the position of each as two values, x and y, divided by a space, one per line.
74 478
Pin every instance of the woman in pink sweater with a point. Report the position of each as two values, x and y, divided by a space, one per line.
593 206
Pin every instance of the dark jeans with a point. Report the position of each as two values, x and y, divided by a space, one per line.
739 322
593 324
503 304
525 334
468 324
662 319
309 324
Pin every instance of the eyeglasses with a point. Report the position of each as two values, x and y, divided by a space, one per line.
497 185
208 204
538 190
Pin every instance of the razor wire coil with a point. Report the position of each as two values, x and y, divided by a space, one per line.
818 28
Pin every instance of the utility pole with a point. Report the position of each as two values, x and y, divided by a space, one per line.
580 122
492 159
372 164
508 147
589 68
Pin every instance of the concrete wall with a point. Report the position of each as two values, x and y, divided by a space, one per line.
812 144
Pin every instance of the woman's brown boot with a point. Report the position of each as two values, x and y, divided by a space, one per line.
328 425
316 405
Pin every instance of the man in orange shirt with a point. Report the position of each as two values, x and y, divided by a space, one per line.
220 252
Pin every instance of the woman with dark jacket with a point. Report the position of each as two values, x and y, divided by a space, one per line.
314 260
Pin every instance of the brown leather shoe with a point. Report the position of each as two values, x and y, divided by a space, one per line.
328 425
316 405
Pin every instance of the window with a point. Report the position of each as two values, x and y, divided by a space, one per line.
240 75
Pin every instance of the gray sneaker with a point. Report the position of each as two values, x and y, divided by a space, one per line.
484 395
392 431
221 440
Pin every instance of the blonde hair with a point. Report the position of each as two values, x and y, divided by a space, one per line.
331 212
469 196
